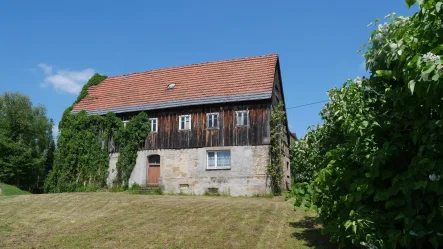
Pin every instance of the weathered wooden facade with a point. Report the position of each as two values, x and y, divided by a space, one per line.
169 136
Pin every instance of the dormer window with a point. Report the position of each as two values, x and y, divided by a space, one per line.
171 86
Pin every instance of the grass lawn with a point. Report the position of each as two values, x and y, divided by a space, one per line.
11 190
122 220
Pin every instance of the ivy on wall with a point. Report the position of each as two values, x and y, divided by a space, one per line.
81 159
275 170
131 137
94 80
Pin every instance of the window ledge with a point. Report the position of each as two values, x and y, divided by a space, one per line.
226 168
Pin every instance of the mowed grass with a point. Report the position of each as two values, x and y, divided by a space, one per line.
122 220
11 190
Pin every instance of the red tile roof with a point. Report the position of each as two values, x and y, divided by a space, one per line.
212 79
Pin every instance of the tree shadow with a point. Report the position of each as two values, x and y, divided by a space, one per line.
309 230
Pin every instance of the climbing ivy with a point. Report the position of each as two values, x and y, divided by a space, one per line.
131 137
94 80
275 170
81 159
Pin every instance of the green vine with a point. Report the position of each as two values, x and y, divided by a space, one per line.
275 169
94 80
131 137
81 159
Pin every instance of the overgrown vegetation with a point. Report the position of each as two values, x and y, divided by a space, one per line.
94 80
26 143
373 169
82 158
275 169
82 155
130 138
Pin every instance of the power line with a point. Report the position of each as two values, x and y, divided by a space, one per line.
313 103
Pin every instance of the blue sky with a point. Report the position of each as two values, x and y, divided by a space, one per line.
48 49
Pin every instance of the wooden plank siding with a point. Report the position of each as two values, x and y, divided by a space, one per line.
227 134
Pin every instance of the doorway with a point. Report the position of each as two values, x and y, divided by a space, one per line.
153 172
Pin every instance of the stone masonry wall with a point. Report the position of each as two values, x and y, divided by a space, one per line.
185 171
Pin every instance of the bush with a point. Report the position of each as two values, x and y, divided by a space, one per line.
134 189
374 174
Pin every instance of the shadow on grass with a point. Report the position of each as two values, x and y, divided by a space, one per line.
309 230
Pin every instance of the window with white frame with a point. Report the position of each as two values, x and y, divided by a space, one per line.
212 120
154 124
125 122
219 160
184 122
242 118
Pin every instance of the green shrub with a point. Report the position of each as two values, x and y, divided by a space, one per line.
134 189
374 176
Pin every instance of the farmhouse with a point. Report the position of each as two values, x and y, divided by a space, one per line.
210 124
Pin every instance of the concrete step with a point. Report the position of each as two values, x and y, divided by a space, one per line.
150 190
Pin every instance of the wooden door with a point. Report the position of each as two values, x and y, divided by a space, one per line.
153 170
153 174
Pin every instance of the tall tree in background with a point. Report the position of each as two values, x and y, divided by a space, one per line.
26 142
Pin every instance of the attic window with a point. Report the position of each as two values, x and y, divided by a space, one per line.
171 86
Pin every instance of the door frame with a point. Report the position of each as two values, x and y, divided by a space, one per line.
149 165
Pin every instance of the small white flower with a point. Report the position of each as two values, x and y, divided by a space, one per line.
383 28
379 36
434 177
431 57
439 67
402 20
393 46
358 81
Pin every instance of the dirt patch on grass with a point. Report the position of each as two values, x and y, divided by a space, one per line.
121 220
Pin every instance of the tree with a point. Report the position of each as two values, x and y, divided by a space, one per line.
25 138
379 185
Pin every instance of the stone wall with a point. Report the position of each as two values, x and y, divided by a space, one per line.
185 171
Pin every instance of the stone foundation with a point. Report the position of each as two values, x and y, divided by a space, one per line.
185 171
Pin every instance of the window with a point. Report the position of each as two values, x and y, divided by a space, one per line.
125 122
242 118
185 122
154 159
219 160
212 120
154 124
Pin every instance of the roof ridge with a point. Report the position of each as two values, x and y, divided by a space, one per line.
199 64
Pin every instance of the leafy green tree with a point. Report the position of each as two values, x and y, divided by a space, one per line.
25 138
380 185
